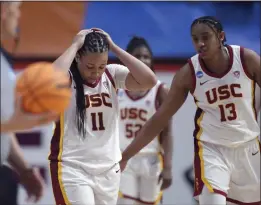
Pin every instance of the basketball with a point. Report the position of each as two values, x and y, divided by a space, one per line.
43 88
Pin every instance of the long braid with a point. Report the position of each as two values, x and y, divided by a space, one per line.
95 43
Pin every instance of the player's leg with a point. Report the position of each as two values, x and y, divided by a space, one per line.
129 185
206 198
150 187
150 192
245 179
70 188
106 188
212 172
129 189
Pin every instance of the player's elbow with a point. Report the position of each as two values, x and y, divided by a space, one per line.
150 82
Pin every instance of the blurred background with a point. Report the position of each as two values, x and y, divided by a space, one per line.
47 29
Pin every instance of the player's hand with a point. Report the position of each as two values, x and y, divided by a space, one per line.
123 165
33 183
21 120
166 177
110 41
80 37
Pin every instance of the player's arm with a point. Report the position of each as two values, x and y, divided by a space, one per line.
252 62
65 60
16 158
166 137
140 76
181 85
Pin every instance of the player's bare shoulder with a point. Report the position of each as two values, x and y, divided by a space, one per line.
185 78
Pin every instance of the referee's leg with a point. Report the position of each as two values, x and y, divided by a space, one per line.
8 186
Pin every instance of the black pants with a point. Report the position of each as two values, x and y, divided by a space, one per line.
8 186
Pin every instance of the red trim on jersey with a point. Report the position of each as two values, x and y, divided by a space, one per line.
254 99
110 78
199 184
135 98
193 76
157 105
55 143
206 70
92 85
244 63
57 191
243 203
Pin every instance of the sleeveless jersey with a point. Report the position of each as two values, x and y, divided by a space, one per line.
134 113
99 150
225 105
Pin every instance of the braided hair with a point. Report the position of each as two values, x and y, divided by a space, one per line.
212 23
136 42
95 43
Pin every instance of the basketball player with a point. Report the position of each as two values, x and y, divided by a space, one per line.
222 79
85 147
12 116
140 180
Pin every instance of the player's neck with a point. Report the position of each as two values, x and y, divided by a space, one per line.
136 94
219 63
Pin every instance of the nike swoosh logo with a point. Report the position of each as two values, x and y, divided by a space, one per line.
118 170
202 83
253 154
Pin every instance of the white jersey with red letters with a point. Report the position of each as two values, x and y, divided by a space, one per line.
99 150
226 104
134 113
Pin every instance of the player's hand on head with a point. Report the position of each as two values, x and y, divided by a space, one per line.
110 41
33 183
166 178
22 120
80 37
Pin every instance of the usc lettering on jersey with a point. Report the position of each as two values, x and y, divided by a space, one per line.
99 149
225 105
134 113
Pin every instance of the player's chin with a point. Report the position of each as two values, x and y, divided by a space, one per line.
204 55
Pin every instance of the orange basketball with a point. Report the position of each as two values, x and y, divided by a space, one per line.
43 88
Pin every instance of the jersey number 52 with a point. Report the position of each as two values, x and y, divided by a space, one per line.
132 130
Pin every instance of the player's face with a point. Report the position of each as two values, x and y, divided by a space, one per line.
205 40
92 66
143 54
10 14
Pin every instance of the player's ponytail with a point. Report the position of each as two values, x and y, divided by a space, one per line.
80 99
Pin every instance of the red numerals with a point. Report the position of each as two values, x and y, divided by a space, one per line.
97 121
132 130
230 109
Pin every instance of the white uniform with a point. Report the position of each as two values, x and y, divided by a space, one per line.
7 102
86 170
139 180
227 152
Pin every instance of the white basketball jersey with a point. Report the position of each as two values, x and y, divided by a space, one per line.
226 105
99 149
134 113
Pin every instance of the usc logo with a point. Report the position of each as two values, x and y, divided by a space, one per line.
98 100
228 112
